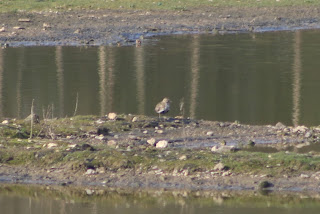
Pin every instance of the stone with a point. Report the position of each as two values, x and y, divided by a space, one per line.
300 129
304 176
90 172
183 157
162 144
18 28
100 137
159 131
46 26
308 134
112 116
151 141
265 184
51 145
24 20
219 167
112 143
134 119
89 191
210 133
5 122
2 30
280 125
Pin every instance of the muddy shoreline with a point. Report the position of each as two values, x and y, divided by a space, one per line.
123 27
139 152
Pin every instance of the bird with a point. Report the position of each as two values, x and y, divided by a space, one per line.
163 107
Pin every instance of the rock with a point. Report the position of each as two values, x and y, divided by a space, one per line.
18 28
151 141
72 146
24 20
159 131
51 145
112 116
89 191
183 157
46 26
2 30
134 119
300 129
77 31
219 167
226 174
304 176
5 122
280 125
112 143
210 133
162 144
308 134
90 172
265 184
100 137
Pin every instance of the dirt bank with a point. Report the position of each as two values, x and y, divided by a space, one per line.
173 153
124 26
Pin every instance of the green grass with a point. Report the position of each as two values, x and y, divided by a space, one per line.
41 5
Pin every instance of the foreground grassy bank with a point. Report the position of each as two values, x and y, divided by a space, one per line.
113 146
39 5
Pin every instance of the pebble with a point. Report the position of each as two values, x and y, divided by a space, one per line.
89 191
5 122
151 141
300 129
52 145
162 144
90 172
24 20
304 176
210 133
100 137
159 131
2 30
135 119
112 116
183 157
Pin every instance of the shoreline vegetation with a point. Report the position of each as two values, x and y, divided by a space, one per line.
137 151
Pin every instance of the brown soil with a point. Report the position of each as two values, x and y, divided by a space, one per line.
124 26
112 27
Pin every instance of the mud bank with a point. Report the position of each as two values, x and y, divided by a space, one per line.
135 151
123 27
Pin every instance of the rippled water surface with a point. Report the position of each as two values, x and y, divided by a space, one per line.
258 78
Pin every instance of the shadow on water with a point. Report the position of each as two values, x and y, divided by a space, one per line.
257 78
41 199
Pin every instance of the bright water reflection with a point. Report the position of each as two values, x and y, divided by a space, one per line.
254 78
39 200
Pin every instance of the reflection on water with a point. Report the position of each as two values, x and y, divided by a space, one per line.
62 200
253 78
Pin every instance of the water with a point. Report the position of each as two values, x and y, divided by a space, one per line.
54 200
258 78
